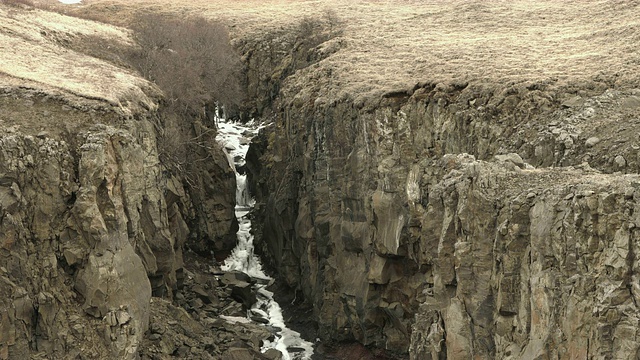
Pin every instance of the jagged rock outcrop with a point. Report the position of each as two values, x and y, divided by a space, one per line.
89 229
92 224
64 228
528 264
398 245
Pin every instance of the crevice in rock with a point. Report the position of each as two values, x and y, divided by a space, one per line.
106 207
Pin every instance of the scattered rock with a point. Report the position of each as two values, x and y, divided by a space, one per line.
513 158
573 102
239 354
272 354
295 349
259 319
182 351
234 277
202 294
592 141
243 292
123 317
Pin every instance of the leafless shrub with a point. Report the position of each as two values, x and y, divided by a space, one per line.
194 64
308 27
315 30
183 151
333 20
190 60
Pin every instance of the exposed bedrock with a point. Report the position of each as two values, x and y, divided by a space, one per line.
91 225
528 264
400 240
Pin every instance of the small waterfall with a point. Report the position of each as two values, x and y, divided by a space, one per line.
243 200
236 138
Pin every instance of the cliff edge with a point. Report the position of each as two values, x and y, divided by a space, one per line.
92 224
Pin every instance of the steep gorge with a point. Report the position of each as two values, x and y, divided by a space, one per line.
429 215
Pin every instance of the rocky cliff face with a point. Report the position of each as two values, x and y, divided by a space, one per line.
92 225
401 244
528 264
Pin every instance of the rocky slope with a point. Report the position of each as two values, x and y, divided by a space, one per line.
402 244
92 225
487 216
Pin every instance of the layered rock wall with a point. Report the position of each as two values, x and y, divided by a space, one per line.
91 225
398 245
530 263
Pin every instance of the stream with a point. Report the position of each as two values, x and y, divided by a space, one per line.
236 137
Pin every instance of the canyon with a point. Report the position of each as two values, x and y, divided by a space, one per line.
437 180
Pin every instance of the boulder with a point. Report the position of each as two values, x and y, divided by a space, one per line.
512 158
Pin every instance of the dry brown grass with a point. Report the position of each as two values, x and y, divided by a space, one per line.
34 49
392 45
18 3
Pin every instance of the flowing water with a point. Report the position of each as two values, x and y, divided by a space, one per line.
235 138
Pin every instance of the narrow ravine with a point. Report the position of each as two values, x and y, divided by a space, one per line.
236 138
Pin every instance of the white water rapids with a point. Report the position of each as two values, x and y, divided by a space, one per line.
235 138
